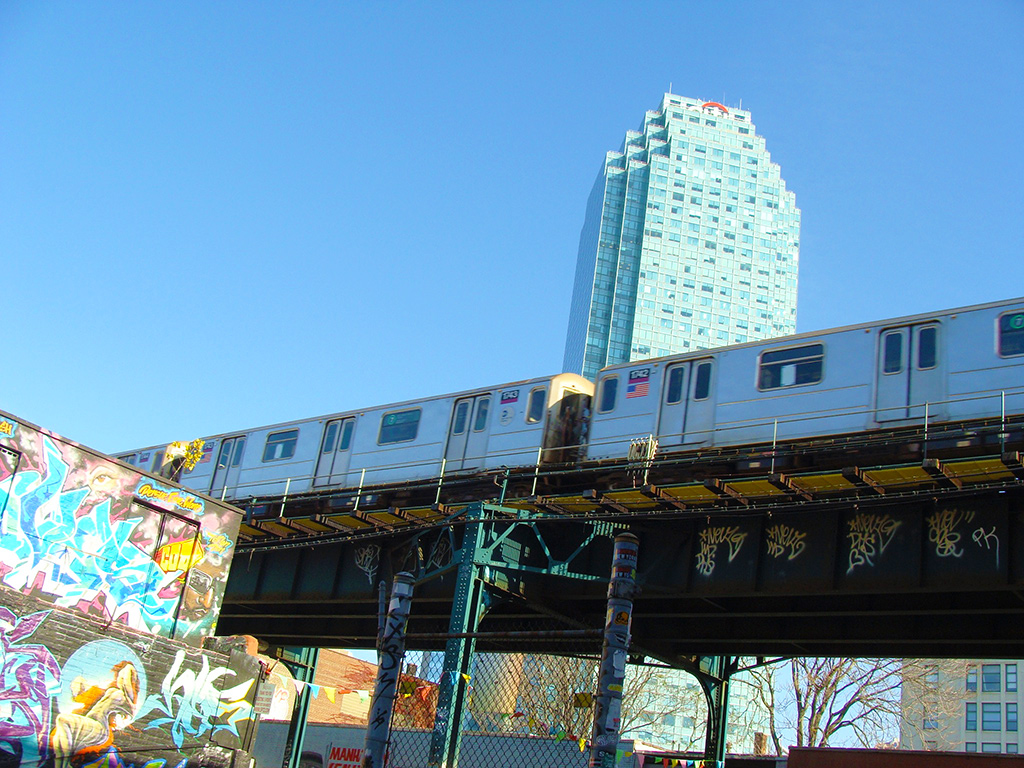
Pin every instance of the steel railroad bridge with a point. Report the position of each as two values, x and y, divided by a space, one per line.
888 544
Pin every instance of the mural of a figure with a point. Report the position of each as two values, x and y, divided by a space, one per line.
101 711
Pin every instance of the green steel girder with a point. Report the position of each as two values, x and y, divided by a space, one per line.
484 552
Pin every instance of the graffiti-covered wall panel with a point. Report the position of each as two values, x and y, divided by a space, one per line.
87 533
76 691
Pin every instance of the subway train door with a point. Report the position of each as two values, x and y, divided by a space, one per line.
673 405
687 407
335 453
467 435
909 373
229 462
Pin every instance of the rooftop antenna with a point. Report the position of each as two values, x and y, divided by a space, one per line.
670 87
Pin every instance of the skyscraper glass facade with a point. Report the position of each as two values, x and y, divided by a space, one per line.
690 241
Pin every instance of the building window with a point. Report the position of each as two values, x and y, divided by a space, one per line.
1011 334
1011 748
991 716
1011 716
971 717
280 445
609 388
972 678
399 426
931 676
990 747
930 722
791 367
990 678
1011 678
971 746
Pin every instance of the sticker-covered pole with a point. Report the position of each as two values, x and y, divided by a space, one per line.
608 707
390 655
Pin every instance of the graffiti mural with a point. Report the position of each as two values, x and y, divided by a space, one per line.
192 704
101 706
84 532
30 676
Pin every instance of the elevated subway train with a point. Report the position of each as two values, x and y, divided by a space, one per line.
959 365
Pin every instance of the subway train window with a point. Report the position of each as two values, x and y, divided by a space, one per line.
280 445
792 367
535 408
609 387
1011 334
399 426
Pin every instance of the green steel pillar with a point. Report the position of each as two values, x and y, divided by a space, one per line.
467 609
716 690
301 662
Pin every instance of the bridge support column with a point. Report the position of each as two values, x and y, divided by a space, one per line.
301 662
608 708
716 691
467 610
390 655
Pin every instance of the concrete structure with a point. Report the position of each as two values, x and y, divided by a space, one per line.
690 241
976 708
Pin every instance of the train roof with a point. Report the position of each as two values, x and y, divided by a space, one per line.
784 340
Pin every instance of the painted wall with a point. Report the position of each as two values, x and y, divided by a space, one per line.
84 532
76 691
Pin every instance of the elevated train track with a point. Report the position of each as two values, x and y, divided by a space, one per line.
815 548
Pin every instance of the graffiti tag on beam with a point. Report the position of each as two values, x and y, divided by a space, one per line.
711 538
869 536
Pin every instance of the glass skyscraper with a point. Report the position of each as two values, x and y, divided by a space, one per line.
690 241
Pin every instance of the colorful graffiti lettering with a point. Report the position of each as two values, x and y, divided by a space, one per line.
71 530
192 705
30 676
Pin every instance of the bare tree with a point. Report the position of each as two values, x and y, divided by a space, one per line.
813 702
652 694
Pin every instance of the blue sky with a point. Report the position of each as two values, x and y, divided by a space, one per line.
214 216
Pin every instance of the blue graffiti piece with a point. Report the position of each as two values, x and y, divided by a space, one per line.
48 487
83 559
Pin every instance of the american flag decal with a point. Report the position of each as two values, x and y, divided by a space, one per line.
639 383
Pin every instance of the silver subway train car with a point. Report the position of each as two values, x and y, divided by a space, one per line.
926 370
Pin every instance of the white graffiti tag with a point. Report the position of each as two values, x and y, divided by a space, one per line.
987 539
193 704
710 538
869 536
366 560
782 537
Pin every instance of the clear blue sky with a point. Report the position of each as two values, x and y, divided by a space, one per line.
220 215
